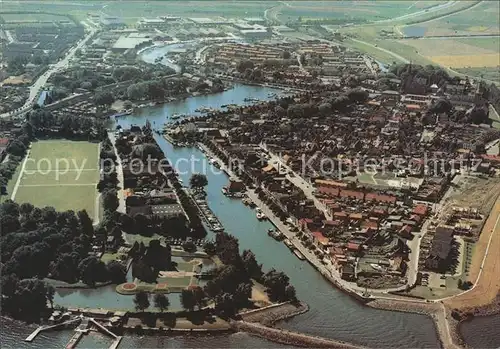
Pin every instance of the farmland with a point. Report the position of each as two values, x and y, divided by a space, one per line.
359 10
455 53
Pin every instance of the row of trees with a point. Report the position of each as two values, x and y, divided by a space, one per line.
39 243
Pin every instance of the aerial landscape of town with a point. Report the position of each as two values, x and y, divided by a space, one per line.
250 174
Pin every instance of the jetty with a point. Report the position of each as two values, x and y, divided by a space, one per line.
86 323
52 327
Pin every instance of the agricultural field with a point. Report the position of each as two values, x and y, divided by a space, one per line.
59 173
481 19
133 10
358 10
455 53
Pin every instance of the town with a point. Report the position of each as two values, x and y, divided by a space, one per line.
194 133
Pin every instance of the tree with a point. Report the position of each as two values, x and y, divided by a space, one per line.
188 299
92 270
161 302
209 248
110 200
104 98
198 181
189 246
117 272
244 65
253 269
141 301
85 223
50 294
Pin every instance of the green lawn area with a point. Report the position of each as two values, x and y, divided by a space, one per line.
51 176
108 257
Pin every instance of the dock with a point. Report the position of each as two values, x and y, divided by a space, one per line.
46 328
208 216
83 328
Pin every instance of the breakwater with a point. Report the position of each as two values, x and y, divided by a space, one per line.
271 314
289 337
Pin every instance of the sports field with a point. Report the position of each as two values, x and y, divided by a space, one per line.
60 173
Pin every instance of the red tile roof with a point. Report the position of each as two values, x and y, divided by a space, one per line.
352 246
420 209
380 198
4 141
330 191
352 193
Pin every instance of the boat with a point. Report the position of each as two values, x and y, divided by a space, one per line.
289 244
299 255
275 234
260 215
251 99
175 116
123 113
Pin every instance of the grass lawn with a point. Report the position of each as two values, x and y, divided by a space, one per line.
52 177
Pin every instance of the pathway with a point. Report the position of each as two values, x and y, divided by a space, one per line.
119 173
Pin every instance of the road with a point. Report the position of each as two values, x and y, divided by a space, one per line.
42 80
418 13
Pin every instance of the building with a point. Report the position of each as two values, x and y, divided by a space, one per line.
153 23
131 41
440 249
255 33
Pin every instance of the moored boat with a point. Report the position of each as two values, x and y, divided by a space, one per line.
299 255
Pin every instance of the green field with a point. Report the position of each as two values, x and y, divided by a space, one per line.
61 173
487 43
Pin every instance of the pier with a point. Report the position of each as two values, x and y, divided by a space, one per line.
83 328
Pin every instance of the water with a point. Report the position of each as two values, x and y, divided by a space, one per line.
482 332
414 31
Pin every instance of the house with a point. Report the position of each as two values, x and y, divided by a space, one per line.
421 209
320 240
353 247
405 231
235 185
347 272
